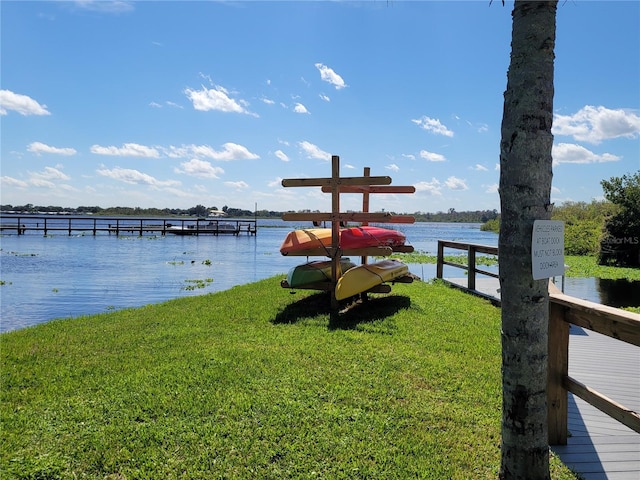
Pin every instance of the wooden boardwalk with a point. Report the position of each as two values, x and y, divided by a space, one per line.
598 447
79 225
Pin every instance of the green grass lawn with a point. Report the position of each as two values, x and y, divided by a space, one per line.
256 382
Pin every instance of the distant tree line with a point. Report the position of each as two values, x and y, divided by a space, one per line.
478 216
608 229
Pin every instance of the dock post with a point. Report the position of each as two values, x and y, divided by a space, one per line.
558 370
439 264
471 265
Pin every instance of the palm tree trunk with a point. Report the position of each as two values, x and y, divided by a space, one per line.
525 187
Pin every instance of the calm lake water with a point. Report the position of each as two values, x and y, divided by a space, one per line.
47 277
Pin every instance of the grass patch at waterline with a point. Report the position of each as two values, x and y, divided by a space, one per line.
579 265
255 382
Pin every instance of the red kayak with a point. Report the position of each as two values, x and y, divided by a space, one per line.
311 241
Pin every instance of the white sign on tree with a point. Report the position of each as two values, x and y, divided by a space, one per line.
547 249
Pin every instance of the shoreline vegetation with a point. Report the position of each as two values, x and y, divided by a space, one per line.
479 216
224 386
578 265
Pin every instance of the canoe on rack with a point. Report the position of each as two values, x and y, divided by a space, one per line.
311 273
314 241
365 277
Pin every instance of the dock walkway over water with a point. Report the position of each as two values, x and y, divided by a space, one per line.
94 225
601 369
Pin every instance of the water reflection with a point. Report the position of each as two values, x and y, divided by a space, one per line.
615 293
619 293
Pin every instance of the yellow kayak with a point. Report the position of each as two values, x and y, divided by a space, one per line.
364 277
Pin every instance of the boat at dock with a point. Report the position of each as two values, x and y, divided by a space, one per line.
211 227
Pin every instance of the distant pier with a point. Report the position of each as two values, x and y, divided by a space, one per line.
73 225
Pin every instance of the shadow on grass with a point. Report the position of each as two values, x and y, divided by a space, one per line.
360 312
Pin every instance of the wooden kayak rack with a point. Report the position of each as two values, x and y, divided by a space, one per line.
336 185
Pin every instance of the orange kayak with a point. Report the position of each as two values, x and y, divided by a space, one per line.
314 241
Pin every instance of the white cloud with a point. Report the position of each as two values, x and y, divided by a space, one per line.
572 153
595 124
216 98
432 188
41 183
135 177
230 151
199 168
324 97
22 104
410 156
47 177
50 173
281 155
433 125
12 182
277 182
328 75
493 188
38 148
479 168
393 167
268 101
432 157
238 185
300 108
127 150
349 166
454 183
312 151
105 6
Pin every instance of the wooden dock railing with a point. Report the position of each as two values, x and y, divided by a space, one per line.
472 250
564 311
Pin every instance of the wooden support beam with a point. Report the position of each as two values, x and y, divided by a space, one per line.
382 288
322 286
603 403
372 189
329 252
328 182
335 228
404 279
365 208
378 217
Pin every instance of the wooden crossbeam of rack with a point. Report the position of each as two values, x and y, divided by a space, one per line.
336 185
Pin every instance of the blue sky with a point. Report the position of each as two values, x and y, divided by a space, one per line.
174 104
